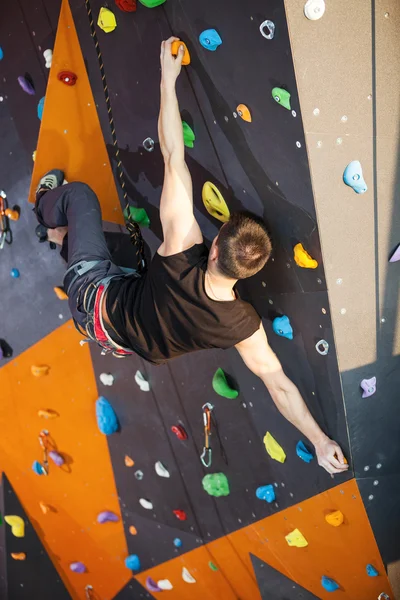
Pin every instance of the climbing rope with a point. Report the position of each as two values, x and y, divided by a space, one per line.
132 227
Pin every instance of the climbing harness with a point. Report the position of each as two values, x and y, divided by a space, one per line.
206 456
132 227
208 420
5 231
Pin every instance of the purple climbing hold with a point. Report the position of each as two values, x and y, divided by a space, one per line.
77 567
152 586
26 85
56 458
107 517
368 386
395 254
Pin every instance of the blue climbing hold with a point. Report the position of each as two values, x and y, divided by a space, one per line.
40 108
329 584
210 39
106 418
353 177
14 273
266 492
132 562
282 327
37 468
1 53
371 571
177 543
303 452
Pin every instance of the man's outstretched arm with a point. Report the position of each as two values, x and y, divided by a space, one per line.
180 228
260 358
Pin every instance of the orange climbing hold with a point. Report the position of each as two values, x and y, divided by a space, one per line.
335 518
40 370
129 462
244 113
175 49
12 214
45 508
59 292
132 530
303 259
18 555
48 413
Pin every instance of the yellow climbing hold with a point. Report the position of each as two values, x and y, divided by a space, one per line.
17 525
335 518
297 539
214 202
48 413
18 555
106 21
303 259
40 370
273 448
34 155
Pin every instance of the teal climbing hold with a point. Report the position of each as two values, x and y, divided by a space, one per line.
303 452
281 326
329 584
106 418
282 97
188 135
210 39
40 108
266 492
37 468
222 387
371 571
216 484
177 543
353 177
137 215
1 53
132 562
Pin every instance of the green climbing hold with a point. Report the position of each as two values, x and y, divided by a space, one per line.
282 97
216 484
188 135
222 387
1 520
138 215
212 566
151 3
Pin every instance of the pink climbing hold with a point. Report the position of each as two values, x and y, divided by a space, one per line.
77 567
107 517
368 386
395 255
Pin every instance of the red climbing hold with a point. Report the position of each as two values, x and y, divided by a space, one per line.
179 431
126 5
180 514
67 77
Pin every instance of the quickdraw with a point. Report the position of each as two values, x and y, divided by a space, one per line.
206 456
46 444
5 231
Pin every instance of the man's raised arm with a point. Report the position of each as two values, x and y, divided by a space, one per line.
260 358
180 228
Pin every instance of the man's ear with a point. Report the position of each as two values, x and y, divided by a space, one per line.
213 254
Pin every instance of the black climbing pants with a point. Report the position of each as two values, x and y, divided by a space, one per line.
89 261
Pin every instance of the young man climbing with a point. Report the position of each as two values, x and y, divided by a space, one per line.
186 300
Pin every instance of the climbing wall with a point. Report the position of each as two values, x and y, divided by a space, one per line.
171 533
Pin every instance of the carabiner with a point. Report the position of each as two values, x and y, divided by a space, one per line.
206 457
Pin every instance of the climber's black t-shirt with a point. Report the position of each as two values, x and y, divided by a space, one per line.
166 312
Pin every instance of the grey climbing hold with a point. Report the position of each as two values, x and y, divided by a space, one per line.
267 29
148 144
314 9
142 382
353 177
322 347
106 378
161 470
139 475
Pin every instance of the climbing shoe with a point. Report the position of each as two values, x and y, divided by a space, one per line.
41 234
50 181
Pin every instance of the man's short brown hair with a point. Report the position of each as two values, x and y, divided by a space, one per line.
244 246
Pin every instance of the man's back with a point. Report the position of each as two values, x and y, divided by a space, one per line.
167 312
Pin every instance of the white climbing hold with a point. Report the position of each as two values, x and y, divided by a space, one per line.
146 503
161 470
186 576
48 57
165 584
106 378
267 29
142 382
314 9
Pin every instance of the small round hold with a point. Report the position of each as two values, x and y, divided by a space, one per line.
148 144
366 468
379 466
343 311
370 497
15 273
339 141
267 29
316 112
139 475
294 113
322 347
344 119
387 15
298 144
376 482
314 9
319 144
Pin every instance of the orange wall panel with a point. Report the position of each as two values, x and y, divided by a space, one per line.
70 135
